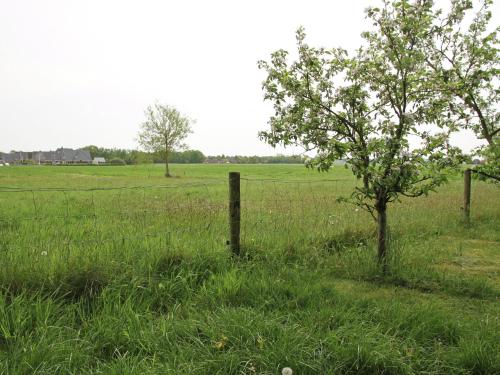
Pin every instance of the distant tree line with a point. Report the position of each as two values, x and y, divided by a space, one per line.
185 157
143 157
278 159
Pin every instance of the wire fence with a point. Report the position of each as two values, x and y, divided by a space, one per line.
125 222
95 221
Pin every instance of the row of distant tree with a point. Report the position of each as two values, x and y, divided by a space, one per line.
237 159
185 157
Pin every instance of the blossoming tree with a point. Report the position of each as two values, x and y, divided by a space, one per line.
365 109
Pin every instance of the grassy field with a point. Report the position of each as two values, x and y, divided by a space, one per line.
117 270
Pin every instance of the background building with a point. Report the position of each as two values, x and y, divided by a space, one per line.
59 156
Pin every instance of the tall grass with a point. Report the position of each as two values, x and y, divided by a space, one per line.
140 280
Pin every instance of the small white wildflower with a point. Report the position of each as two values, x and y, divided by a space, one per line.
332 220
357 209
44 253
286 371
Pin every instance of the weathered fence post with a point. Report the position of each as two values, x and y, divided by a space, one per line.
234 212
467 189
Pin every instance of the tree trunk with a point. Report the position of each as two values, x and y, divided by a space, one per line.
381 208
167 172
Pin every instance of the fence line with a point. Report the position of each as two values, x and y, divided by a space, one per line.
274 214
290 181
90 222
14 189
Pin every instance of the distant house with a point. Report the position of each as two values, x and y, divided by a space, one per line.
13 157
59 156
98 160
62 156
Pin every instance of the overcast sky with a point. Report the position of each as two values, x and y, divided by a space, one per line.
74 73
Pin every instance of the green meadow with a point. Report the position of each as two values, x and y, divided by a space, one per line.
118 270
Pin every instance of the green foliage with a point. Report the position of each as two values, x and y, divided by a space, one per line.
490 170
164 131
465 59
143 157
187 156
129 156
365 108
237 159
368 119
117 161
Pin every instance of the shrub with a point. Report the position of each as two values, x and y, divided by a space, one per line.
117 161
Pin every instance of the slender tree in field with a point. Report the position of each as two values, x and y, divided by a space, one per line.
466 61
365 109
164 130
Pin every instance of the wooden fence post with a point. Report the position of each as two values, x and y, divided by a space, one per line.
234 212
467 190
